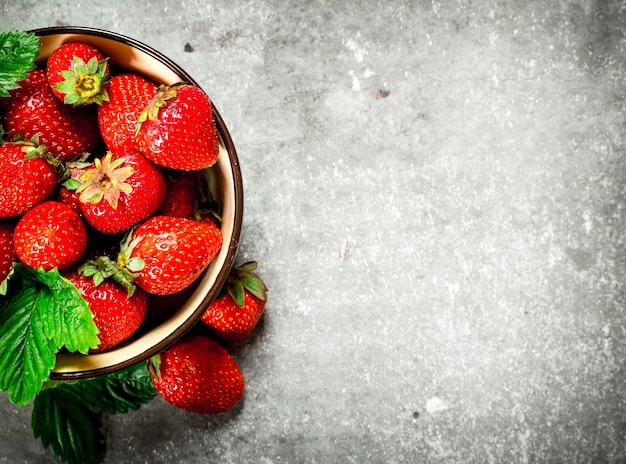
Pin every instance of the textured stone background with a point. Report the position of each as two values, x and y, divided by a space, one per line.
435 193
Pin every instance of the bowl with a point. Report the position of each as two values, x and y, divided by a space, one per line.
170 317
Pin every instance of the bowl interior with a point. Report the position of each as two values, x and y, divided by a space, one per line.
168 317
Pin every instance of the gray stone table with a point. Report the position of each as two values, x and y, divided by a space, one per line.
435 192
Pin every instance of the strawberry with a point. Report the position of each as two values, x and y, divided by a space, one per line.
116 314
168 254
120 190
182 194
177 129
78 74
33 110
128 95
27 177
7 251
236 312
50 235
197 374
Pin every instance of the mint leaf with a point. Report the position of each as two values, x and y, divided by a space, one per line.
18 50
68 417
41 313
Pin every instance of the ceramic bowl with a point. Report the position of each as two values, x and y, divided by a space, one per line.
168 317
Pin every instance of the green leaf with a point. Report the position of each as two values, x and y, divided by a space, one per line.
41 313
116 393
66 315
18 50
26 354
68 417
70 428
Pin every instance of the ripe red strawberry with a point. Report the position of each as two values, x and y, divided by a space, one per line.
116 314
183 194
26 177
33 110
236 312
128 94
50 235
78 74
168 254
177 130
120 190
7 251
197 374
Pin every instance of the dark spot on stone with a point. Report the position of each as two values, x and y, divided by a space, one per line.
581 259
416 415
382 93
188 47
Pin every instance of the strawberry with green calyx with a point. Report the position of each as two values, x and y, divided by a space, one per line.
177 129
162 256
50 235
168 254
116 314
128 95
235 313
120 190
28 176
78 74
197 374
34 110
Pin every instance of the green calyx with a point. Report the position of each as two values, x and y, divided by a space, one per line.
127 246
103 268
32 150
241 279
85 83
106 180
124 270
164 94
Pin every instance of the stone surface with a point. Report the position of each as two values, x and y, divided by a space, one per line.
435 194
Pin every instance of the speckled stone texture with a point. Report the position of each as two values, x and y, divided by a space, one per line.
435 193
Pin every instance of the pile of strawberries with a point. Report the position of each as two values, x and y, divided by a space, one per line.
101 178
